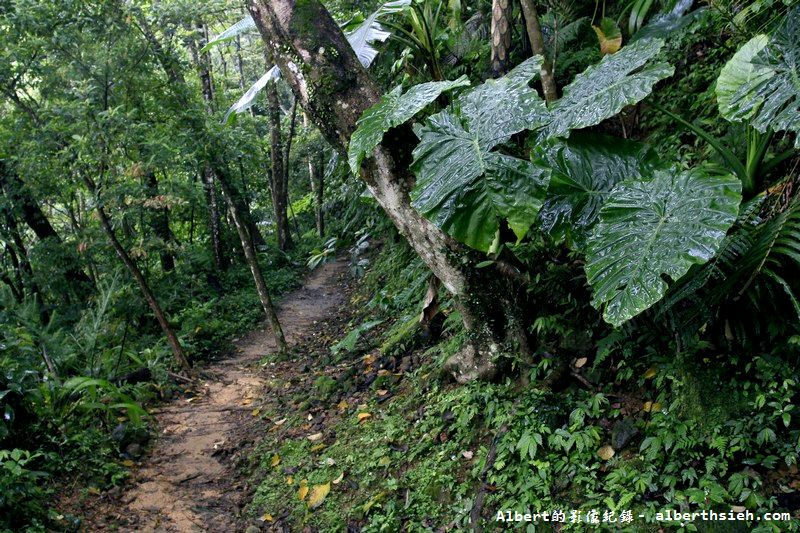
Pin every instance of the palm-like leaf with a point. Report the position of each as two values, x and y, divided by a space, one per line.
245 25
246 101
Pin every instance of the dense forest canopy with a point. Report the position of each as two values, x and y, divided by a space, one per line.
570 228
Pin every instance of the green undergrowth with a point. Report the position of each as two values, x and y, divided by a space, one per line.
656 428
79 426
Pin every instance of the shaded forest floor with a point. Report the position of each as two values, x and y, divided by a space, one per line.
189 480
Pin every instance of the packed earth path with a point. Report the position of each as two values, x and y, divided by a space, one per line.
183 484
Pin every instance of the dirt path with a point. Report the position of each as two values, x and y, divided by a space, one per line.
184 483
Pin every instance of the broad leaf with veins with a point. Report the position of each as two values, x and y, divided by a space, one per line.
393 109
583 170
655 228
462 185
602 90
760 84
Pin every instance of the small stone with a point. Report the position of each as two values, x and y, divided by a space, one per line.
134 450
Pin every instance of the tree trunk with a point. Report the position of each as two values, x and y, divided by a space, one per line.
159 222
23 264
258 277
334 89
279 183
172 339
534 30
28 208
212 205
501 36
316 175
196 123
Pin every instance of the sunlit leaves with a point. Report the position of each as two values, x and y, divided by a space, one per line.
654 229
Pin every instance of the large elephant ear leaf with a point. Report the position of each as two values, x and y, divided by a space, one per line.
583 170
462 185
602 90
656 228
392 110
759 84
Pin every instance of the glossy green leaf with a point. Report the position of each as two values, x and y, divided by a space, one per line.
583 170
760 84
392 110
462 185
654 229
602 90
667 24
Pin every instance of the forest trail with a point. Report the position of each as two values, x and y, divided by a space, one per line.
183 485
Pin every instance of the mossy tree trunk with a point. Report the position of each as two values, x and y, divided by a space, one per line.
279 177
334 89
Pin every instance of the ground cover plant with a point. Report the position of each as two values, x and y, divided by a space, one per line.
430 266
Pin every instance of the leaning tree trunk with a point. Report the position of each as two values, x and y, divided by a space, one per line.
16 192
279 185
501 36
172 339
534 30
258 277
334 89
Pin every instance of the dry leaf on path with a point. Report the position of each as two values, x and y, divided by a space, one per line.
318 495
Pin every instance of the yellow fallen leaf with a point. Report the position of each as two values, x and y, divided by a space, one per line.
650 374
580 362
317 447
655 407
338 479
280 422
606 452
315 437
647 406
318 495
302 492
266 517
275 461
384 461
363 416
290 480
93 490
128 463
256 411
247 401
383 392
342 405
